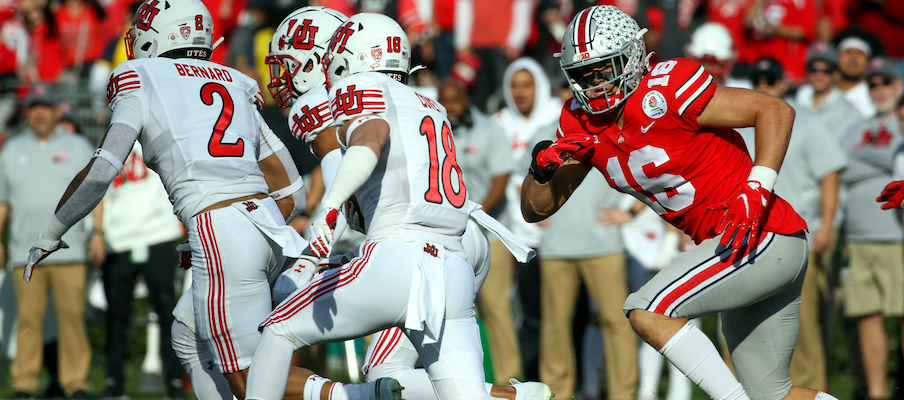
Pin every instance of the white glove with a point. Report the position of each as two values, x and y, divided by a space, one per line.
294 277
321 240
39 251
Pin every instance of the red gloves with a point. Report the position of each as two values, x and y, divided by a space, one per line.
549 155
892 195
744 211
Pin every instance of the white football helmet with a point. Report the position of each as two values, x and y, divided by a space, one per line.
297 50
603 48
368 42
171 28
712 43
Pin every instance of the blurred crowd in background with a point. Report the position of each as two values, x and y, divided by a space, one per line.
491 64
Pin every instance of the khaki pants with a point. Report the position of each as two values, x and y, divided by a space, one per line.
607 283
67 283
495 307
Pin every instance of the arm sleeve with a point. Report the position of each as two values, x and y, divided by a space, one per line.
118 142
270 145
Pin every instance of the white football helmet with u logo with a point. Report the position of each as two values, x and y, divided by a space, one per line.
368 42
603 57
170 28
297 50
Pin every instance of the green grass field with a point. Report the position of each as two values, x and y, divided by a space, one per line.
842 381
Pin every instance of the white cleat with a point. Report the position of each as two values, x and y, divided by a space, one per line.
531 390
385 389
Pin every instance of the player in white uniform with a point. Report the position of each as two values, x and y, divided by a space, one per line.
201 132
410 272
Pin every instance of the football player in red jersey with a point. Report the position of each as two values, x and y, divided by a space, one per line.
664 134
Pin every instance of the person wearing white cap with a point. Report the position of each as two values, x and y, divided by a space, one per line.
853 53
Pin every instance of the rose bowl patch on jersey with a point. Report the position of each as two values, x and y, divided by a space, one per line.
654 104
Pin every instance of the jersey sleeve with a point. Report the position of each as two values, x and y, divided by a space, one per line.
357 95
310 115
125 94
270 143
689 89
568 119
253 92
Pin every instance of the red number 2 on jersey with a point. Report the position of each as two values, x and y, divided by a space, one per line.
215 146
433 195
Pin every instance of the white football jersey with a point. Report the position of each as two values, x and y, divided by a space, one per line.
416 191
310 115
201 128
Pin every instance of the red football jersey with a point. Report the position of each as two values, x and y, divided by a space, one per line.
662 156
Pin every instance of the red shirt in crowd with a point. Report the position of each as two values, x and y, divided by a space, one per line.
791 53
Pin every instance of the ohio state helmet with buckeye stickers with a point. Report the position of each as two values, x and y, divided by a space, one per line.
297 50
603 54
368 42
171 28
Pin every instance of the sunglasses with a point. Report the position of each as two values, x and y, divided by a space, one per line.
884 82
827 71
764 80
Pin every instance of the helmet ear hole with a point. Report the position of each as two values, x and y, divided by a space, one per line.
146 46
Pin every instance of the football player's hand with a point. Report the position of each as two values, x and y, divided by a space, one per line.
892 195
743 213
301 272
547 155
321 240
39 251
184 255
353 215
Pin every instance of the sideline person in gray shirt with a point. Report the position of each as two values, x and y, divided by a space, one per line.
36 167
875 288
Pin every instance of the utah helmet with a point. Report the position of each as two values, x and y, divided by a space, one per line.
170 28
368 42
297 50
603 55
711 43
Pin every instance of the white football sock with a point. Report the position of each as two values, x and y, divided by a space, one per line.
313 386
691 351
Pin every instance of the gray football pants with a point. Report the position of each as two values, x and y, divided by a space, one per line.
757 293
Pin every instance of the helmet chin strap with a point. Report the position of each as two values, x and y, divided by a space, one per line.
217 43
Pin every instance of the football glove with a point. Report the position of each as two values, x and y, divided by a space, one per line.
294 277
548 155
743 213
353 215
39 251
321 240
892 195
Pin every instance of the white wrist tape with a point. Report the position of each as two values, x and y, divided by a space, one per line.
288 190
764 175
107 155
355 124
328 167
54 230
357 165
